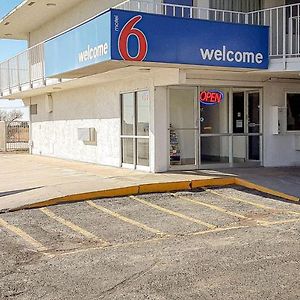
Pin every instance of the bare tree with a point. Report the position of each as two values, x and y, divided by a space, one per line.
10 116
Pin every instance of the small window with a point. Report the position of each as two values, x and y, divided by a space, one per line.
293 111
33 109
178 11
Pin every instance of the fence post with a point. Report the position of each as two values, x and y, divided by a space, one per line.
284 54
2 136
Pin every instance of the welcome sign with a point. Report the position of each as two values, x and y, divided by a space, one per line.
190 41
142 37
85 45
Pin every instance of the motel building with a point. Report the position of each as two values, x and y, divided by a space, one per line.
159 85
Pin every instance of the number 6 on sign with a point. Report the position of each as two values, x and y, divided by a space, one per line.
130 30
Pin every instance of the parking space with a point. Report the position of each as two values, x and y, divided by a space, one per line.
103 223
216 243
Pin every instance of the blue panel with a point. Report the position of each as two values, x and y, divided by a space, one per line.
179 12
180 2
188 41
85 45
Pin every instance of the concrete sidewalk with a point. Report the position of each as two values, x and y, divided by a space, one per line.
285 180
28 179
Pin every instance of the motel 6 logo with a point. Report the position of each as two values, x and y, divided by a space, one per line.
128 31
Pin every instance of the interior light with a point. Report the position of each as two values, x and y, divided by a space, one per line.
31 3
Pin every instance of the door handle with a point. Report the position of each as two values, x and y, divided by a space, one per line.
252 124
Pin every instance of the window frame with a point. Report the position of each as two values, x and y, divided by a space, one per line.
31 109
134 136
286 112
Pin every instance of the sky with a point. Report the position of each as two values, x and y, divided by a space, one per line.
9 48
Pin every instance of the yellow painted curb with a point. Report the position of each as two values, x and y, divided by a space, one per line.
119 192
213 182
260 188
162 187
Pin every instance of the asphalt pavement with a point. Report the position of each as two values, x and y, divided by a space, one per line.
216 243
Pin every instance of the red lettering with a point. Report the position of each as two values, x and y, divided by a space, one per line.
208 97
212 97
203 96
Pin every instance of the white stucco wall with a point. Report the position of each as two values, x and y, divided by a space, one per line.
279 150
97 106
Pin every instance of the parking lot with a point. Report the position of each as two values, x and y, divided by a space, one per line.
216 243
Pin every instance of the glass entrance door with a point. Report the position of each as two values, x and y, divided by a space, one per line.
213 132
253 125
214 127
183 128
246 126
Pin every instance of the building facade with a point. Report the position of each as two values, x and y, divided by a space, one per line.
159 85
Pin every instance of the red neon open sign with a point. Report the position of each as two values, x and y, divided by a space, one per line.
211 97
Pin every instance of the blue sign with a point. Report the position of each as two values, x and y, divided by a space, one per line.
157 38
141 37
80 47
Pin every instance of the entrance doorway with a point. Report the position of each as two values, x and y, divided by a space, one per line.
246 126
223 134
183 127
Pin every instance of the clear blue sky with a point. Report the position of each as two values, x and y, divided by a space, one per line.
9 48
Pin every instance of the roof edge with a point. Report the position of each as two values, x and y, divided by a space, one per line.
13 10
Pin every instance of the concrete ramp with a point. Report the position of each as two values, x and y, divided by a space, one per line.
28 181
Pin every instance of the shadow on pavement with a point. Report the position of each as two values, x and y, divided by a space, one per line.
3 194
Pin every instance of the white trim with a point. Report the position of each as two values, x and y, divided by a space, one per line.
142 168
128 166
135 137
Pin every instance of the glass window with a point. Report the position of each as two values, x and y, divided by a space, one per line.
33 109
127 146
293 111
135 123
178 12
143 152
128 114
214 149
182 108
143 113
214 118
182 126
